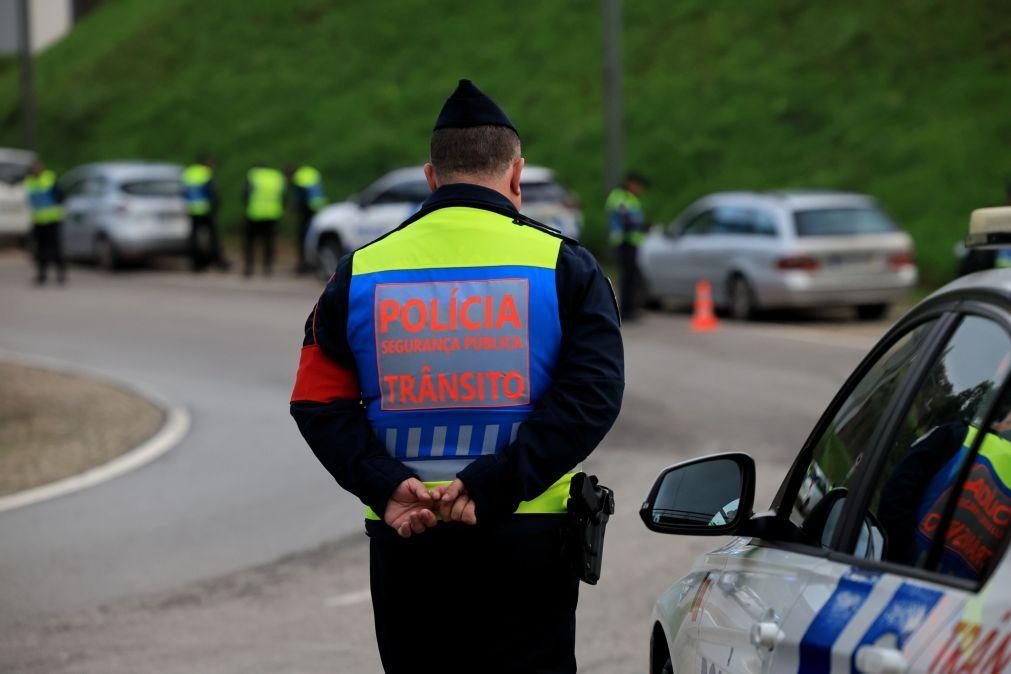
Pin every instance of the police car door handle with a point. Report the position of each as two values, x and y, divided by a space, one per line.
878 660
766 635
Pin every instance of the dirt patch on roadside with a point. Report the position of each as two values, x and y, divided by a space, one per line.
55 425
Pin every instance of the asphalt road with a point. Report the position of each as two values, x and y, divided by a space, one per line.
236 552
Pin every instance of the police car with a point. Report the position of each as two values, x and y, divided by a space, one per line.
349 225
884 550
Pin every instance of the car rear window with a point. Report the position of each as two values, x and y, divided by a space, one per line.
153 188
842 222
541 192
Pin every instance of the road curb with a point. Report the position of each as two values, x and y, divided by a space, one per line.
175 428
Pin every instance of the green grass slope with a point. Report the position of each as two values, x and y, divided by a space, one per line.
906 100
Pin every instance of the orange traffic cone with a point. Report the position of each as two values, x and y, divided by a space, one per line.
703 319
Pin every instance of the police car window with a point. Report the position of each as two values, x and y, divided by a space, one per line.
933 443
838 454
543 192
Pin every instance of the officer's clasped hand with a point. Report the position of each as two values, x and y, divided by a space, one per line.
411 508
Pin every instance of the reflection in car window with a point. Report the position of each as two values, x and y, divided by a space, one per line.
698 225
842 222
838 453
742 221
153 188
932 444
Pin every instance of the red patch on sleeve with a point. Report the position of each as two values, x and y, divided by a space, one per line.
321 380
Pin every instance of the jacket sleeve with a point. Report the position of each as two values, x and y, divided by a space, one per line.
326 403
578 408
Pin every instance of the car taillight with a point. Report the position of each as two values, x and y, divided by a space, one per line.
797 263
905 258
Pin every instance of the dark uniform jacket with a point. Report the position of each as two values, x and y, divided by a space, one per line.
570 419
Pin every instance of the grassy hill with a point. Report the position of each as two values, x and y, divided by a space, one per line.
906 100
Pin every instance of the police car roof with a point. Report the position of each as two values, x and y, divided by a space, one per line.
10 155
991 280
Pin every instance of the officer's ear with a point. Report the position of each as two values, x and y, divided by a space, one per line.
430 176
514 177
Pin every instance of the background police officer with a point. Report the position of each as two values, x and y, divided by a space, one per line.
47 219
202 204
462 366
307 192
627 225
264 199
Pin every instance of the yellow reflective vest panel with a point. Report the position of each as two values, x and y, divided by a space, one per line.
266 194
41 190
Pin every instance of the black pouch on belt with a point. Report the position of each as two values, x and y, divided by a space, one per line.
591 504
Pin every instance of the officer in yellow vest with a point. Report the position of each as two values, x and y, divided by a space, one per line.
453 375
627 227
309 198
47 221
202 204
264 199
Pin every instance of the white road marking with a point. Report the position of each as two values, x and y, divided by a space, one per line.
177 424
348 599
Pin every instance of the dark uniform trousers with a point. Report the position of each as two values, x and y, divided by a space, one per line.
628 260
48 250
205 248
262 232
461 600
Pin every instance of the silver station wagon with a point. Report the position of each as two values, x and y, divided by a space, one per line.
774 250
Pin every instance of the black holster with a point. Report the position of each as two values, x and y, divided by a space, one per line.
591 504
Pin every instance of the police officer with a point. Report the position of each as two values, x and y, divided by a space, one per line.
202 205
627 225
454 374
264 199
307 189
47 220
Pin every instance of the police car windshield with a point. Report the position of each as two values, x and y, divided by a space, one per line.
12 172
842 222
153 188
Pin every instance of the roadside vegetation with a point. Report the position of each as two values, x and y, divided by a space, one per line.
905 100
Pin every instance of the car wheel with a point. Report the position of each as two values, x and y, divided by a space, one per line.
329 253
105 254
741 299
871 312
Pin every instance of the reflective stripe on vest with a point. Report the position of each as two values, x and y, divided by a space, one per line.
41 190
310 180
454 326
982 515
266 194
196 189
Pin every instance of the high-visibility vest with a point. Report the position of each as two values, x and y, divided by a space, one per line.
41 190
266 194
453 322
197 189
624 208
982 515
310 180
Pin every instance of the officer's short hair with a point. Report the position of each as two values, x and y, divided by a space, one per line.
484 151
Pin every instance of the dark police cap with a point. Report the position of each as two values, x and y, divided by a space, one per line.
469 106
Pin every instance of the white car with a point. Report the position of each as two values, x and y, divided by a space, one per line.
349 225
782 249
115 212
885 549
15 218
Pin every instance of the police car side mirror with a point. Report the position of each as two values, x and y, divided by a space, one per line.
708 496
